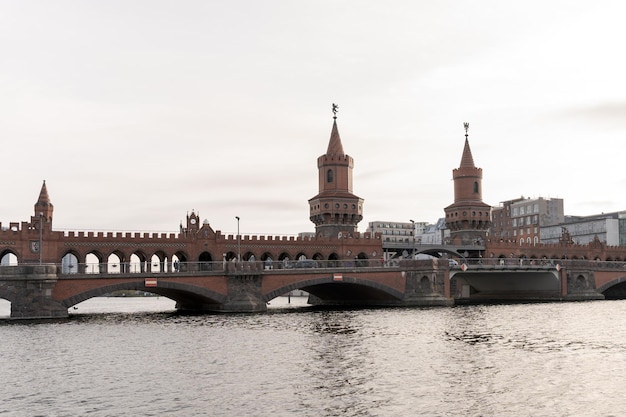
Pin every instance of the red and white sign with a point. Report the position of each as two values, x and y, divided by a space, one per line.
337 277
463 267
150 282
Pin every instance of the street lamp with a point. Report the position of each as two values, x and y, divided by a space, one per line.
413 234
40 235
238 241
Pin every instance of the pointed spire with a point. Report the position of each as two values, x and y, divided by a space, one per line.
334 145
467 160
43 194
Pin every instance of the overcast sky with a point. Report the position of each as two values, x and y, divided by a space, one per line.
138 112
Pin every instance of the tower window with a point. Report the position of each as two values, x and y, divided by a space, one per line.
329 176
476 186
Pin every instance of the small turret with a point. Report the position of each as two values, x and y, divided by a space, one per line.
43 206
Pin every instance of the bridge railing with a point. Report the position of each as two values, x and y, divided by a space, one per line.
217 268
536 263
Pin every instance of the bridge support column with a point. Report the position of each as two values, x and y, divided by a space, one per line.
427 288
244 294
30 288
580 285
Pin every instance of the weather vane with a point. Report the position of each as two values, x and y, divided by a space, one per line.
466 126
335 110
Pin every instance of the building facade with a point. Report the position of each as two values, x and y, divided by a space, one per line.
396 232
521 219
584 230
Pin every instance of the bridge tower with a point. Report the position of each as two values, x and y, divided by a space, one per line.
468 218
335 209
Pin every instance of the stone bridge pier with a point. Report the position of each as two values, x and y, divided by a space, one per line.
243 295
29 289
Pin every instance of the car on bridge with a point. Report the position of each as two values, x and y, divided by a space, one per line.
306 263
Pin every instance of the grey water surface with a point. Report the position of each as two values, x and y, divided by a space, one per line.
136 357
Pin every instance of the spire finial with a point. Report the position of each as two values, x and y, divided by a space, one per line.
335 110
466 126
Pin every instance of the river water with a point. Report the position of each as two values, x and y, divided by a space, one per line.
136 357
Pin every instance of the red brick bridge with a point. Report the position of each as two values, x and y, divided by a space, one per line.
39 291
43 291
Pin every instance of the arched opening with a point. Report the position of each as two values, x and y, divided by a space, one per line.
137 263
124 301
5 308
93 262
361 259
179 262
158 262
69 264
267 260
205 260
8 258
114 264
333 260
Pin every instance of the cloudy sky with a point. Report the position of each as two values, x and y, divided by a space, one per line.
138 112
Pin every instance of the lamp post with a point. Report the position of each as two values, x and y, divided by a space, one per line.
40 235
413 234
238 241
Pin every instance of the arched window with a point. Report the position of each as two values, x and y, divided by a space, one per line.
475 186
329 176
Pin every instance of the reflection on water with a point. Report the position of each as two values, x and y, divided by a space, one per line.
145 360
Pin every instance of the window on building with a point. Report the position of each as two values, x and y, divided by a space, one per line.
329 175
476 187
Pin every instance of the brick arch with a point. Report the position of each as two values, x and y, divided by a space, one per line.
307 284
178 292
437 252
6 294
181 255
101 256
612 283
